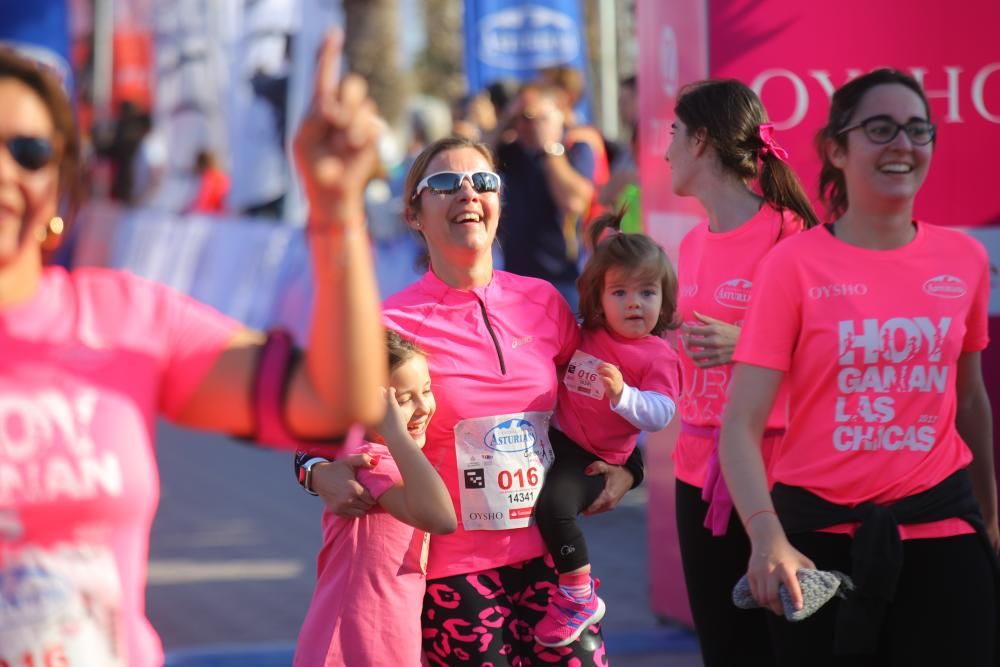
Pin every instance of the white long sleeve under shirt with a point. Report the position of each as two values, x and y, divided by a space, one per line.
646 410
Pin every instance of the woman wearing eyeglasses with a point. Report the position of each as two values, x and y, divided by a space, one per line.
886 469
493 342
90 358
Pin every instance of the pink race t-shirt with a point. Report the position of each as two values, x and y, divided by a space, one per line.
369 583
491 351
647 364
86 366
715 272
870 340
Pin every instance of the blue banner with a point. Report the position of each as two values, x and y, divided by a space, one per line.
516 38
40 29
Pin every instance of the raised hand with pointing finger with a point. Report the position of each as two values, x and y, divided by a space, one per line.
335 147
335 155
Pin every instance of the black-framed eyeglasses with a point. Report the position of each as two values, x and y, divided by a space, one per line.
883 129
450 182
32 153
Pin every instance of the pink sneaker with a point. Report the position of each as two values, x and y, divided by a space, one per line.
566 618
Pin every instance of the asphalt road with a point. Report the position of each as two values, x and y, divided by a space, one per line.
233 549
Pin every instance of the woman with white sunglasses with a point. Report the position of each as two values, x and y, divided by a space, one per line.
493 342
89 358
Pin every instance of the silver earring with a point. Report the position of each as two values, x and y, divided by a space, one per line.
418 225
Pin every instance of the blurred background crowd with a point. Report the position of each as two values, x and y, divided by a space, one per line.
186 107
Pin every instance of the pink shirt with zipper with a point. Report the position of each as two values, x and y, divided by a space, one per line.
492 350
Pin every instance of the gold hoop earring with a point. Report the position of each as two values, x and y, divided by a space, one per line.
50 236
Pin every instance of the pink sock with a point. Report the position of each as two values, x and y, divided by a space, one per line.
576 586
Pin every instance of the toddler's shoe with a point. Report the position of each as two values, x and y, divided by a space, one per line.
566 618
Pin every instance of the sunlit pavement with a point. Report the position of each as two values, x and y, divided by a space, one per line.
233 552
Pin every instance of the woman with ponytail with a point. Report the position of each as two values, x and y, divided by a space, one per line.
725 154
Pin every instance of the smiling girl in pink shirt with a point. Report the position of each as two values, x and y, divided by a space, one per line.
877 321
374 567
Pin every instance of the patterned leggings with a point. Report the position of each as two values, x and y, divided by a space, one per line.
488 618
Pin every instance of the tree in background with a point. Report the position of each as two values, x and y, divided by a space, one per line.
372 47
439 69
626 47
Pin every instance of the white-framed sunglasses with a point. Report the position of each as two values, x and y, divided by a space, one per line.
450 182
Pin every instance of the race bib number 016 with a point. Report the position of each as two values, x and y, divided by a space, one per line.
501 468
581 375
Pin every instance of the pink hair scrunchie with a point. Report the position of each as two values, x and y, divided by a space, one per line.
766 133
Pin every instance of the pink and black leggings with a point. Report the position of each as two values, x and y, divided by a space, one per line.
488 618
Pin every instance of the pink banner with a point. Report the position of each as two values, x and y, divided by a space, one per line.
794 54
673 38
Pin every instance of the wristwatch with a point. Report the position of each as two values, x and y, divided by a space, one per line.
555 149
305 473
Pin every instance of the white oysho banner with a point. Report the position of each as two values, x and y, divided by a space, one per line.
251 269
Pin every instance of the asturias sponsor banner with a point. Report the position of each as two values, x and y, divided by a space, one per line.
39 29
515 39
